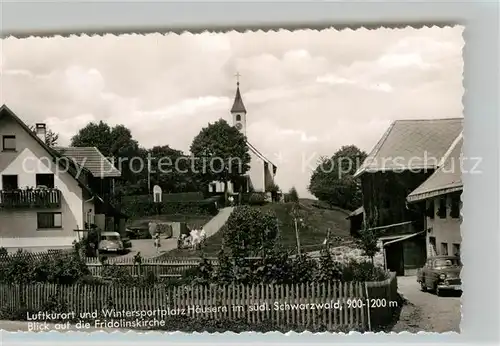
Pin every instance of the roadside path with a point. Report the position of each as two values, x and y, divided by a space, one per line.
424 311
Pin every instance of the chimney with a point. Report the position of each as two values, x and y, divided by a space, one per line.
41 131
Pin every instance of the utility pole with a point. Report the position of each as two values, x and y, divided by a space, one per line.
297 236
149 173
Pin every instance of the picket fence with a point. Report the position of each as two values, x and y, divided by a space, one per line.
282 305
164 267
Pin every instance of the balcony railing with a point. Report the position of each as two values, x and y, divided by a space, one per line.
30 198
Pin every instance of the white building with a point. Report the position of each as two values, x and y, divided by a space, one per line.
441 194
47 199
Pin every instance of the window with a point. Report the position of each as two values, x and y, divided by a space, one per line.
432 245
49 220
444 249
442 208
455 206
47 180
9 143
9 182
238 117
446 263
429 211
456 250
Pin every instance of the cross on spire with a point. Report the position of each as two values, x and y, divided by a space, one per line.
237 75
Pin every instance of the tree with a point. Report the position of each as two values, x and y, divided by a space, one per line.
171 170
114 141
332 181
274 189
220 154
117 144
293 195
51 137
369 242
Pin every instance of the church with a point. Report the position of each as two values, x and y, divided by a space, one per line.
260 177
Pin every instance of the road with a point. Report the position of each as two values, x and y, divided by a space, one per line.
425 311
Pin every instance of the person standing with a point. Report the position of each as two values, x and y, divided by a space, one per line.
157 242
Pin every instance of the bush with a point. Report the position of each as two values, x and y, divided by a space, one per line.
277 267
90 242
57 268
249 231
257 198
362 271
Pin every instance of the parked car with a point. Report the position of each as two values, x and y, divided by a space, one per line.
111 242
440 273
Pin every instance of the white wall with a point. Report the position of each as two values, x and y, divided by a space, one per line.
445 230
20 226
257 173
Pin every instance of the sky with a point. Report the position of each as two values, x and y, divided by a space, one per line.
307 93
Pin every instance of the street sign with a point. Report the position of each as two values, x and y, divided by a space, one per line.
157 194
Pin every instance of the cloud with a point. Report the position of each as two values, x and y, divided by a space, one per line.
301 134
335 80
307 92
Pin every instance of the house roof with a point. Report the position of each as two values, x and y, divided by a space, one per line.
238 106
447 179
73 171
412 144
92 159
261 156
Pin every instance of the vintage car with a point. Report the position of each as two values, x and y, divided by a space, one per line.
440 273
111 242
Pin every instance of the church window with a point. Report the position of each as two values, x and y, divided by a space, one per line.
238 117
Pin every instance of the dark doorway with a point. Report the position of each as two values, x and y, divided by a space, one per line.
45 179
394 256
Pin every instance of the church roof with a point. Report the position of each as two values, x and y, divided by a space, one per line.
261 156
238 106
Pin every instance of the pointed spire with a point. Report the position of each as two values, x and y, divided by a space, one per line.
238 106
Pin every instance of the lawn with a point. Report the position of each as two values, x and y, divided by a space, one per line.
317 219
191 220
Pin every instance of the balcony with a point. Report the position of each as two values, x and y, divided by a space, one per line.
30 198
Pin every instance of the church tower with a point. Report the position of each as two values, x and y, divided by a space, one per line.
238 110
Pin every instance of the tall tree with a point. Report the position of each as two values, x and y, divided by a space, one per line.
114 141
220 153
51 137
171 170
333 182
117 144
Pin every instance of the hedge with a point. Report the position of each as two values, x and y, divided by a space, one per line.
143 205
182 197
253 198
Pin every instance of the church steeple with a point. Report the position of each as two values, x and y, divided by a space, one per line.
238 106
238 110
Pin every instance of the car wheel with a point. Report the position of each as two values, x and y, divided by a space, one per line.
423 287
